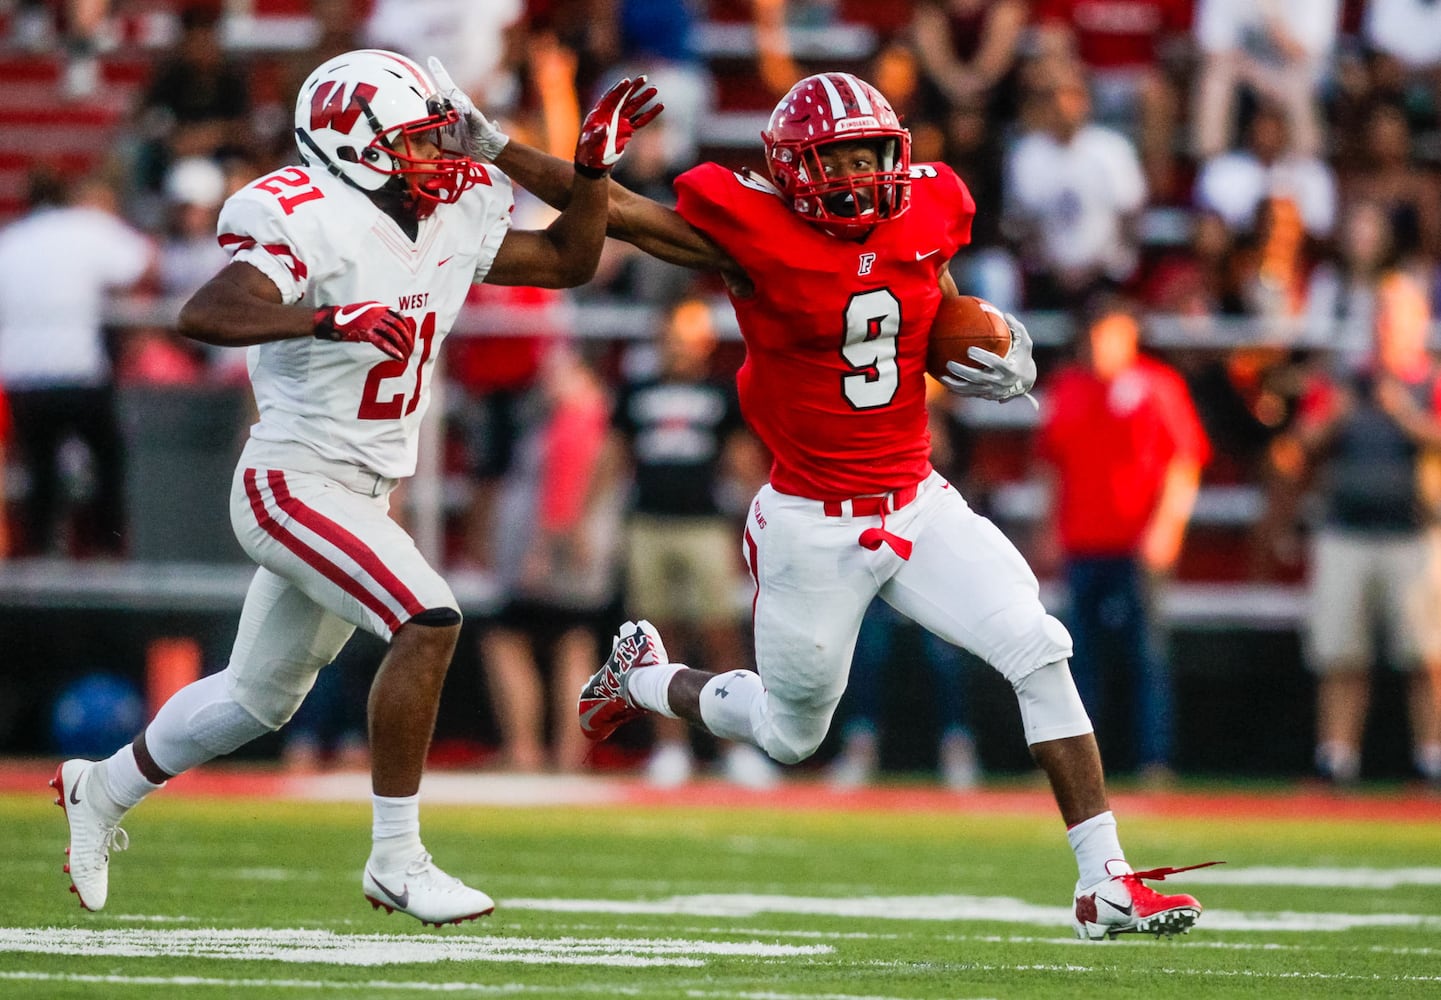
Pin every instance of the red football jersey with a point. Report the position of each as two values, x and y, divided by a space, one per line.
835 333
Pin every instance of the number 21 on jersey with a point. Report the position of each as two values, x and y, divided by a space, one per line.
397 404
873 322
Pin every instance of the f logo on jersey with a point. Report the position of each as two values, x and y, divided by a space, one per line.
867 261
329 109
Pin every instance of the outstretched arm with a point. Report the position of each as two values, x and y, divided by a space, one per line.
654 228
566 253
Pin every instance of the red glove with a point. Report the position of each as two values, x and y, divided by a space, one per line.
611 123
367 323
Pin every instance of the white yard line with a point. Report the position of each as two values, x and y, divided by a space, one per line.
999 909
326 947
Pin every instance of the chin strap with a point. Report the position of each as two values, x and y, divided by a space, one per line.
872 538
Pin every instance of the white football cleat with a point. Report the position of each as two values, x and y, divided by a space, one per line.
425 892
93 831
1123 904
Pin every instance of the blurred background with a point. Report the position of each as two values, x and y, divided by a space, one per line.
1251 185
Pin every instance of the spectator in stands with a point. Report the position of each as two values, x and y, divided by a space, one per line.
478 42
1408 32
556 536
1392 178
1124 449
1129 48
1201 279
198 100
1279 49
967 48
1237 185
680 438
84 20
55 363
1342 289
1366 431
1074 194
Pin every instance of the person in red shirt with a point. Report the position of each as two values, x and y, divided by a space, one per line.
1126 447
835 266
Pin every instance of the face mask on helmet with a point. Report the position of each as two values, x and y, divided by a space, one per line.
373 118
822 122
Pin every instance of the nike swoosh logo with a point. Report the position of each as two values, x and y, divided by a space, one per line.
444 262
74 799
402 901
1124 910
348 314
923 256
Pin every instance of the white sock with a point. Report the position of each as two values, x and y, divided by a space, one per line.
649 687
395 830
123 780
1098 849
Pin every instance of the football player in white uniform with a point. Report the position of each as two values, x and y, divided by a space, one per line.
348 270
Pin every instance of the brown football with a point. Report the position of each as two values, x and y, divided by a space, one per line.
962 323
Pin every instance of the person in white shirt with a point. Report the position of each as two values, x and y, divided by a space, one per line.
1073 193
348 270
59 265
1279 48
1237 184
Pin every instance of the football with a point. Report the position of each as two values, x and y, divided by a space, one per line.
962 323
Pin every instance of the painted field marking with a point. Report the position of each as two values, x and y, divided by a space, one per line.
999 909
505 989
1314 878
326 947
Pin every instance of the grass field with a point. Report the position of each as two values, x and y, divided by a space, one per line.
258 897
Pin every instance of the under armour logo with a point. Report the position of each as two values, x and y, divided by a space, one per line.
723 691
867 261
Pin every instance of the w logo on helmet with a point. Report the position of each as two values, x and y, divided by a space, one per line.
329 109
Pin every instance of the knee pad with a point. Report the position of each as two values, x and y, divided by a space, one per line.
791 739
1034 640
436 618
200 722
1051 708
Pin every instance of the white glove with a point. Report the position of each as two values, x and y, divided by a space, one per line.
483 141
1001 378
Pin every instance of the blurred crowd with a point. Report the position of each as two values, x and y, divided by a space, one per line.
1249 177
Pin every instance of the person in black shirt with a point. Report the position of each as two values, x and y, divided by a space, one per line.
1369 430
685 440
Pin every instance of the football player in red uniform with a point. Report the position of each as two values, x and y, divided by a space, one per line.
835 265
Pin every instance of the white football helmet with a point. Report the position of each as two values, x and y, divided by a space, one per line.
361 115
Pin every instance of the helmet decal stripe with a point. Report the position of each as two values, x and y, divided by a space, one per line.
863 102
838 106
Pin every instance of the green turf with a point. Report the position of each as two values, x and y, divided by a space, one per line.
245 864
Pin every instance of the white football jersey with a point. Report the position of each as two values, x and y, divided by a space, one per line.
325 243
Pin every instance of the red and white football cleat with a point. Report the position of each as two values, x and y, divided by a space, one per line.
603 706
1123 904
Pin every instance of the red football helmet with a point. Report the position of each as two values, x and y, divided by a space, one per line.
838 107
